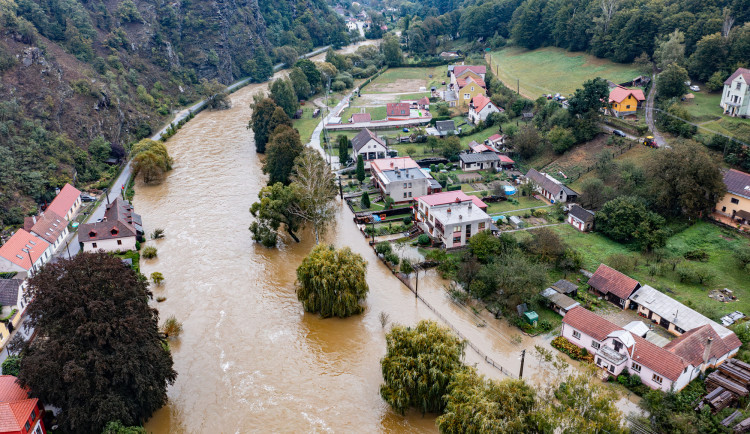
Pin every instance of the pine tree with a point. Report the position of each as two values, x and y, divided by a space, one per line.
365 201
360 169
343 149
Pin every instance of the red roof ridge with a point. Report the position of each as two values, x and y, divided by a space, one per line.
64 200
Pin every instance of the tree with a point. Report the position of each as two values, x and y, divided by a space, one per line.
118 428
670 49
590 98
282 92
287 55
82 309
100 149
300 83
311 72
215 95
418 366
171 328
283 148
710 56
671 82
150 160
485 246
157 278
360 168
546 245
477 405
263 69
365 201
344 145
12 365
332 282
265 118
716 82
527 141
450 147
685 180
562 139
392 51
315 188
327 72
275 207
626 219
594 193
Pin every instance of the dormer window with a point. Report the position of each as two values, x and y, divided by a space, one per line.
92 234
114 231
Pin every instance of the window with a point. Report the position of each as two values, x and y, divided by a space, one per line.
410 194
457 240
576 334
723 209
27 426
410 185
38 430
738 86
472 88
480 226
636 367
627 106
404 195
612 368
404 185
467 96
595 345
33 415
456 229
657 379
93 245
735 200
119 242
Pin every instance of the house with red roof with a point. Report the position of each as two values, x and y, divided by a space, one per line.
452 217
19 414
497 141
467 81
357 118
66 203
48 226
624 101
666 368
117 232
735 98
613 285
397 111
481 107
24 252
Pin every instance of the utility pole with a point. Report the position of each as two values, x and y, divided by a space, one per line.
416 290
523 356
518 86
341 190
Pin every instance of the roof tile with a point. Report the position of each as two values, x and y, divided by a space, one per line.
608 280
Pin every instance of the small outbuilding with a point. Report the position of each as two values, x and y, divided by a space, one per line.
516 222
565 287
560 303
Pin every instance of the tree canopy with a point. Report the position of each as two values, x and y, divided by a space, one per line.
332 282
215 94
150 160
282 150
282 92
671 82
89 359
418 366
315 189
627 219
590 98
265 118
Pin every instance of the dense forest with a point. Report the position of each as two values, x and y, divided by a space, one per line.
714 33
81 80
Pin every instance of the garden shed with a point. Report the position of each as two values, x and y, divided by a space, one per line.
516 222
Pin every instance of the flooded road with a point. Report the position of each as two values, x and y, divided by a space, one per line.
249 358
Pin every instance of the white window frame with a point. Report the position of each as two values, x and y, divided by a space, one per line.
576 334
635 367
657 379
595 345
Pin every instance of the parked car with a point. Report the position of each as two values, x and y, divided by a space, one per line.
406 130
618 133
695 88
87 198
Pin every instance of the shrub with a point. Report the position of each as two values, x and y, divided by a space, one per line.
407 220
423 240
149 252
392 258
572 350
406 267
12 365
157 234
696 255
157 278
544 325
171 328
383 248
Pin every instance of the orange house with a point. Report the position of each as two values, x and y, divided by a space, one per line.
624 101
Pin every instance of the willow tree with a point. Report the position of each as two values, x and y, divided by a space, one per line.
418 366
332 282
150 160
315 188
477 405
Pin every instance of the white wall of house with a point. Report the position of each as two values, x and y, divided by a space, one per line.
481 165
475 116
371 151
110 245
73 209
406 190
738 94
455 234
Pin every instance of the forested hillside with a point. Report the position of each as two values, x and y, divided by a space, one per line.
81 80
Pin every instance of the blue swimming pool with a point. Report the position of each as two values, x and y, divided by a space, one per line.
509 190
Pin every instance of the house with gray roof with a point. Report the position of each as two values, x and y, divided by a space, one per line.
119 230
580 218
443 128
551 188
736 203
479 161
369 146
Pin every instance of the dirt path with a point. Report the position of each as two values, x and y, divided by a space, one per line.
650 113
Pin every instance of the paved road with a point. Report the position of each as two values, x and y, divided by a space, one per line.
660 142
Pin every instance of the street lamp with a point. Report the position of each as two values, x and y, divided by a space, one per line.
416 287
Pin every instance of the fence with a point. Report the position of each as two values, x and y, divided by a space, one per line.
471 345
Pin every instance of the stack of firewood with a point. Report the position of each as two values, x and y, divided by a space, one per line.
726 385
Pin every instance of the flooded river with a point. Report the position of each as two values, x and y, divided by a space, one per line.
249 358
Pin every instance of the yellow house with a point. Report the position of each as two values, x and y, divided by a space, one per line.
624 101
467 82
735 205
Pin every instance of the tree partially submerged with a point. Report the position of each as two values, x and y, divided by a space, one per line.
332 282
99 356
150 160
315 189
418 366
275 208
215 94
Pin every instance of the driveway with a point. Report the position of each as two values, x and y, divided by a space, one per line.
660 142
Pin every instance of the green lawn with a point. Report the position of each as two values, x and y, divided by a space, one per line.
376 113
306 124
508 206
553 70
704 107
717 242
410 96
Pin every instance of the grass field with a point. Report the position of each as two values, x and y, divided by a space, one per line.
306 124
707 113
552 70
407 80
717 242
376 113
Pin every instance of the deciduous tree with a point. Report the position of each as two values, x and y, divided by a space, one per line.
626 219
265 118
315 188
274 208
671 82
418 366
215 94
590 98
311 72
392 51
282 92
150 160
89 359
300 83
283 148
332 282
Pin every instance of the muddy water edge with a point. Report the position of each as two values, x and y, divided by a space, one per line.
249 358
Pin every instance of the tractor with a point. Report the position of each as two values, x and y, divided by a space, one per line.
650 142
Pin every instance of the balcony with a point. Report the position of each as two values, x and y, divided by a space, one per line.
609 354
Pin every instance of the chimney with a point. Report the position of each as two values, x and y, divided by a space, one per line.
460 217
707 351
449 210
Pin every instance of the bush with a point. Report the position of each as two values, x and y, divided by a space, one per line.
407 220
544 325
149 252
157 278
696 255
12 365
575 352
392 258
383 248
423 240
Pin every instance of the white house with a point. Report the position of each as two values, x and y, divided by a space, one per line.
481 107
49 226
24 252
119 231
549 187
369 146
452 217
580 218
666 368
479 161
402 179
66 203
735 99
